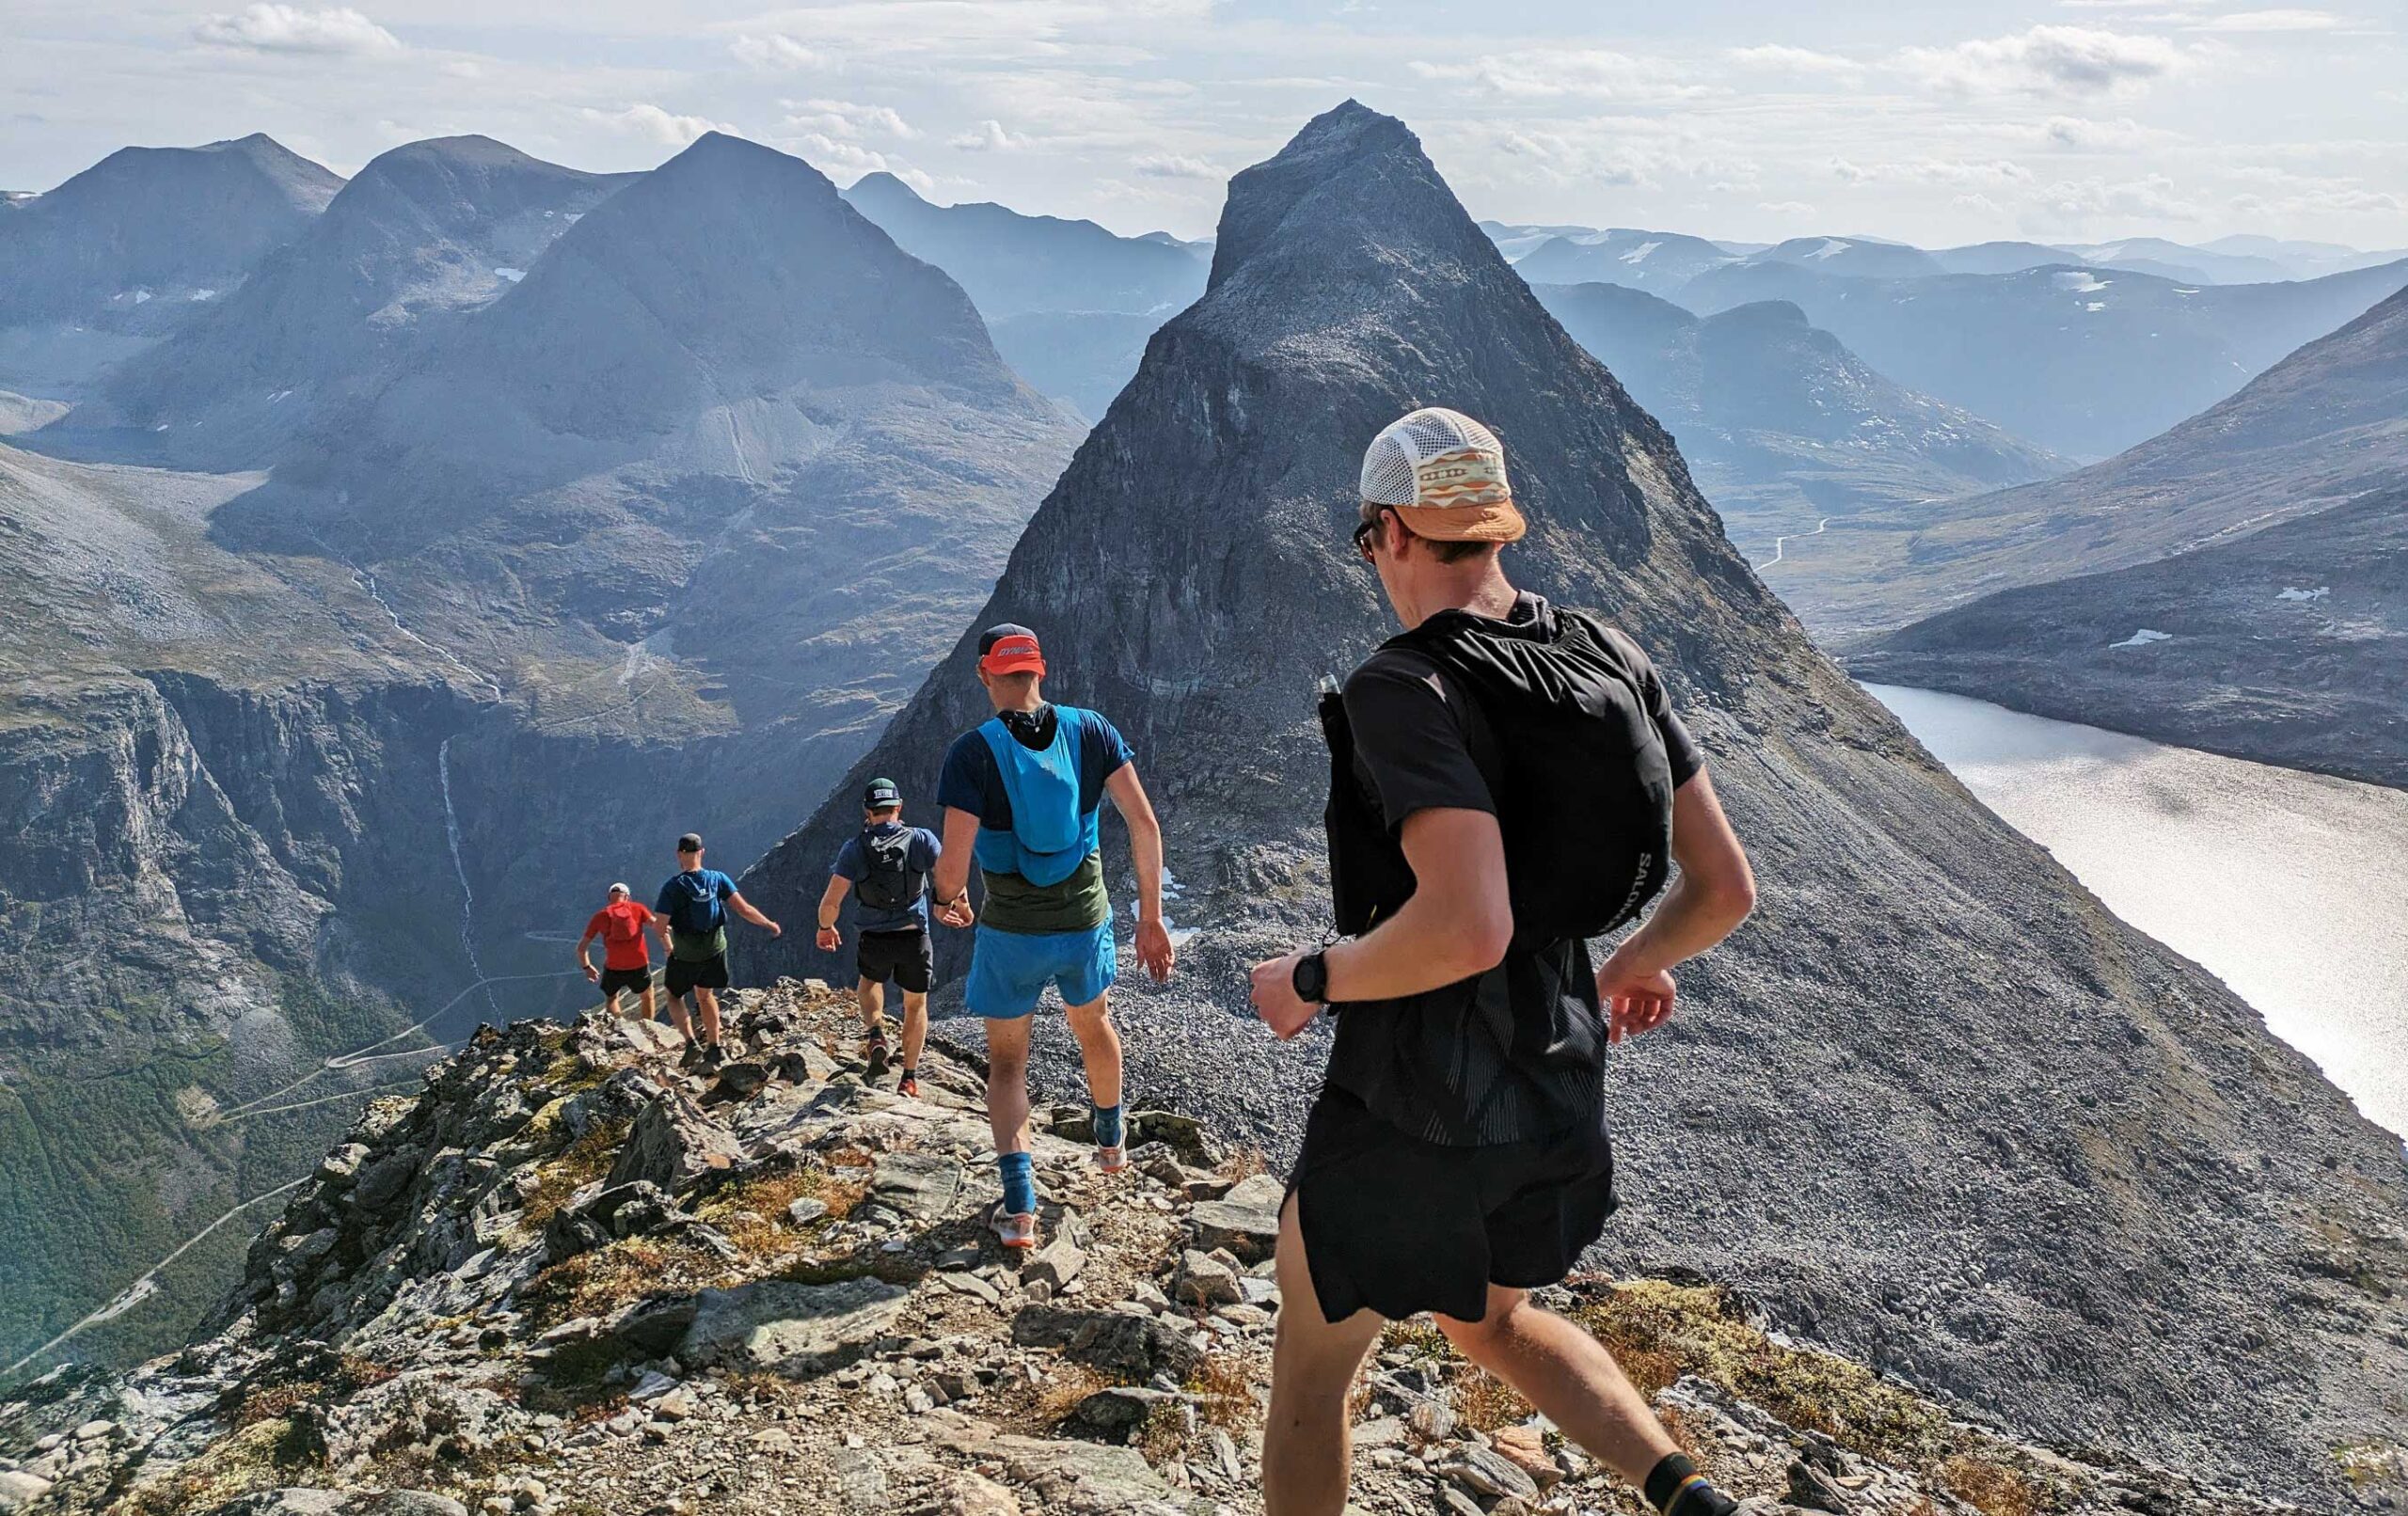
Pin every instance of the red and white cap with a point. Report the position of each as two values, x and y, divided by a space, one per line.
1445 473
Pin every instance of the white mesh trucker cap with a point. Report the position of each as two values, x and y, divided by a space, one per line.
1444 472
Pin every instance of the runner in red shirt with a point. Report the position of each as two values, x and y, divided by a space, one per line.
626 960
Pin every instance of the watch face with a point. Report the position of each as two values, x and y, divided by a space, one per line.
1311 978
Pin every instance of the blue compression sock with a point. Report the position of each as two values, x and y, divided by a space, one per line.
1108 1132
1019 1182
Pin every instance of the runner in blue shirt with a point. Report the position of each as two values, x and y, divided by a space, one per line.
691 918
1021 794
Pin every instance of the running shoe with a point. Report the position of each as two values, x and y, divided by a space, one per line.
691 1057
1018 1231
1114 1159
909 1086
877 1052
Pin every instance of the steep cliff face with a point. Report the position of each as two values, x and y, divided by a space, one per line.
205 891
1934 1104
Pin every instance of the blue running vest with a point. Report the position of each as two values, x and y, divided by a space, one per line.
1049 837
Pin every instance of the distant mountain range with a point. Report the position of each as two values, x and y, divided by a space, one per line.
1859 1121
2266 610
124 250
423 232
1782 424
1013 264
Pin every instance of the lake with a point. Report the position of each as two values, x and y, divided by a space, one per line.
2291 887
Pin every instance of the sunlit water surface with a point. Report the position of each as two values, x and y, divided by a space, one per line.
2291 887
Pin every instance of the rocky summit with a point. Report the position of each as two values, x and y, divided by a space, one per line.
1934 1106
566 1278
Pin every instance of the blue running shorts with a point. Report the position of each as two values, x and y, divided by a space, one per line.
1009 971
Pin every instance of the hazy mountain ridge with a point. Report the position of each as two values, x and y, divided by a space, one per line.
427 230
2288 646
94 269
2326 423
1781 424
1013 264
2083 361
2283 645
2078 1219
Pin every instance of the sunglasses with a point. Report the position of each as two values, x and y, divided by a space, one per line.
1364 530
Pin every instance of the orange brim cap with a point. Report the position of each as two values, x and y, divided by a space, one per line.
1495 521
1013 654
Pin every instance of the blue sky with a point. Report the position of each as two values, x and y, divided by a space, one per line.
1940 122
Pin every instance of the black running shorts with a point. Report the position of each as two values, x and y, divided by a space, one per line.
695 973
904 957
615 980
1398 1225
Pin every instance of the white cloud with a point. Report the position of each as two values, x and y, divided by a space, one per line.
1542 74
1778 58
1787 207
279 28
2082 201
988 136
774 52
848 119
660 126
2270 21
2122 135
1175 166
2070 60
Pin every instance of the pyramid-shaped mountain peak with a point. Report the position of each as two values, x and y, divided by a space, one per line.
1191 577
1352 179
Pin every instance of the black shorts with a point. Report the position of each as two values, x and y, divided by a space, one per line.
615 980
695 973
904 957
1398 1225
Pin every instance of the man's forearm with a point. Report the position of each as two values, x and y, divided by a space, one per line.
1691 920
1146 853
1416 950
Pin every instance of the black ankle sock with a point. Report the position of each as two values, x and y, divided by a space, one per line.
1675 1483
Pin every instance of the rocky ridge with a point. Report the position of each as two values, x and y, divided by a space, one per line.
568 1278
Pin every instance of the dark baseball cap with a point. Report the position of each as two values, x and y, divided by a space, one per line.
690 842
881 795
1009 648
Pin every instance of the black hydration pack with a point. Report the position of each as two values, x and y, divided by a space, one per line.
1582 784
888 880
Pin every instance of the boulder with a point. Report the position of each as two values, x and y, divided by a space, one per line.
1205 1280
19 1488
922 1186
787 1328
1058 1262
1118 1410
382 1180
672 1144
341 1165
1120 1346
1245 1221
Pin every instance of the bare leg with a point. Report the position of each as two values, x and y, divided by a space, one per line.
645 998
677 1014
873 1003
1568 1375
1098 1048
1007 1083
610 1004
707 1002
915 1027
1308 1448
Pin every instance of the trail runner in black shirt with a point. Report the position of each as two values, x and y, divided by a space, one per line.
1457 1156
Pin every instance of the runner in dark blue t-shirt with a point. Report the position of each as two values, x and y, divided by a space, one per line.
690 915
885 869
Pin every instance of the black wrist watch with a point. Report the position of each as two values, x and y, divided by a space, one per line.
1311 979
